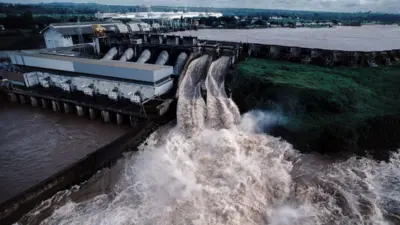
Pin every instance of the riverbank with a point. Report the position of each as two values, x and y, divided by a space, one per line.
328 110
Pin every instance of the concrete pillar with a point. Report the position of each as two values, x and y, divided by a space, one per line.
395 55
44 103
54 105
12 97
294 52
275 51
22 99
133 121
120 118
93 113
34 101
371 60
353 61
386 58
79 110
67 108
105 115
315 53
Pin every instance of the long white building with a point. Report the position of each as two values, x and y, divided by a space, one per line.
155 15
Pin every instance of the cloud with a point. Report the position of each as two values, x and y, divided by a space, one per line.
392 6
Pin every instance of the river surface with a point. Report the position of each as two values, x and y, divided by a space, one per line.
215 167
35 143
365 38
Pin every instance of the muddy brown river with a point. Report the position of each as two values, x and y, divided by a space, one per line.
35 143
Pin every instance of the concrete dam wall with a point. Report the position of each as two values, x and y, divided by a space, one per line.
324 57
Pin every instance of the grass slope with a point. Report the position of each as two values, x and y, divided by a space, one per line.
314 97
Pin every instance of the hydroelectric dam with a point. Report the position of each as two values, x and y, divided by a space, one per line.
209 166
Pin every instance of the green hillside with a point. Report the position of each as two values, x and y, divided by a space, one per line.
318 100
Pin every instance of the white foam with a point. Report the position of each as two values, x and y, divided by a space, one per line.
234 175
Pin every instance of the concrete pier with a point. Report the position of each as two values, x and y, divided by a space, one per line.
93 113
395 55
353 59
371 60
12 97
275 52
105 115
34 101
79 110
294 53
315 53
22 99
54 106
67 108
385 58
119 118
44 103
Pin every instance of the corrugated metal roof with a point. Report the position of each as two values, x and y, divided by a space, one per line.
148 73
89 23
113 63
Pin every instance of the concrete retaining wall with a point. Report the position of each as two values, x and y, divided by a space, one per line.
316 56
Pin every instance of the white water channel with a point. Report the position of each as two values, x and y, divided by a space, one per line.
213 167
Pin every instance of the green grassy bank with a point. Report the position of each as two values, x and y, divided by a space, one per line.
327 109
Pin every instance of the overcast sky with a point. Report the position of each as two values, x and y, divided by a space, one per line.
392 6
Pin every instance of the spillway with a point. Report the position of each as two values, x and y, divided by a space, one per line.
162 58
110 54
128 54
210 168
180 63
144 57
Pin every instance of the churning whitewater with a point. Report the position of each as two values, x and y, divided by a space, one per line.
213 168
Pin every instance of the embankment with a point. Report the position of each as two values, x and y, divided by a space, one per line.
328 110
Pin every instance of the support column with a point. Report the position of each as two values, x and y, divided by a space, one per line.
93 113
22 99
105 115
120 118
54 105
371 60
79 110
67 108
12 97
44 103
34 101
275 52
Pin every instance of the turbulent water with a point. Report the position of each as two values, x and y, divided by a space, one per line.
215 167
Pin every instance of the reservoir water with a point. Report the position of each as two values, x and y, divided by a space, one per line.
365 38
36 143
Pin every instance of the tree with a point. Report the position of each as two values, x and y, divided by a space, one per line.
260 22
27 16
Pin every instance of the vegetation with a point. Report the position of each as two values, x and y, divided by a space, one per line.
337 105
